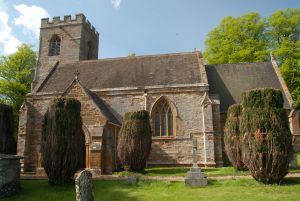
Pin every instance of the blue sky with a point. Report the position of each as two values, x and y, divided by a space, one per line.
125 26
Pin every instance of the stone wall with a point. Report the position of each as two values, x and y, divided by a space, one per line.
193 120
94 124
187 102
30 129
218 137
294 119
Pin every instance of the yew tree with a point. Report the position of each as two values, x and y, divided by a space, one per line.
63 145
135 141
265 135
232 135
7 141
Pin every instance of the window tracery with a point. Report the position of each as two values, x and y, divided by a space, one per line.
162 119
54 49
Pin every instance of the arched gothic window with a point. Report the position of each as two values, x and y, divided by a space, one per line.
162 119
54 46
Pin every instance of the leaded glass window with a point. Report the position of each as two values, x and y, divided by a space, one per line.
162 119
54 46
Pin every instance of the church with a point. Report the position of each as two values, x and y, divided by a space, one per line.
186 98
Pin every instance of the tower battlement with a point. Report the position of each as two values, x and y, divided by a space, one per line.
68 20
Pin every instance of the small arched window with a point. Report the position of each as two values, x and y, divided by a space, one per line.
89 50
162 119
54 46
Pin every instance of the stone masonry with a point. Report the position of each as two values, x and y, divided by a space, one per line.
198 96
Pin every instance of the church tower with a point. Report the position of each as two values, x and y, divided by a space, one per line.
64 41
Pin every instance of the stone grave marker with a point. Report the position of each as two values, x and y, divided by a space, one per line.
9 175
84 186
195 177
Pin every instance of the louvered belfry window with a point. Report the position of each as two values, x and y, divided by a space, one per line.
54 46
162 119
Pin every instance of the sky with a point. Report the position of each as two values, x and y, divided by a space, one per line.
142 27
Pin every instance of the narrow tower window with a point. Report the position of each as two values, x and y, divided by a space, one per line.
54 46
89 50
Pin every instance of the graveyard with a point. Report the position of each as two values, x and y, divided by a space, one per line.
135 112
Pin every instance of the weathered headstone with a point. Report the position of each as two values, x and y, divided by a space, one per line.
195 177
84 186
9 175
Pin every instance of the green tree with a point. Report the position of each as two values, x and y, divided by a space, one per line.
284 31
16 75
250 38
240 39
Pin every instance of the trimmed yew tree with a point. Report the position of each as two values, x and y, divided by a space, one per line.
232 137
135 141
266 138
63 141
7 141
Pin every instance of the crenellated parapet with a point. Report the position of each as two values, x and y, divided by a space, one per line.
68 20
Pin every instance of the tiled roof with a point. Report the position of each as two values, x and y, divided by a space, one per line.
135 71
230 80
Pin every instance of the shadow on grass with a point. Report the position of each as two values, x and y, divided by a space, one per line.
40 190
290 181
166 171
113 190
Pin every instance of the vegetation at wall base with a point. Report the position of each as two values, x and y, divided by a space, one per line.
266 138
63 144
232 137
7 141
135 140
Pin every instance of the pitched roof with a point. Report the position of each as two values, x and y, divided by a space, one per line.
136 71
103 108
99 103
230 80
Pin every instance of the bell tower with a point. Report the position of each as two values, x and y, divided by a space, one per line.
65 40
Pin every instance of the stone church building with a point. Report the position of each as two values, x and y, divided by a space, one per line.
186 99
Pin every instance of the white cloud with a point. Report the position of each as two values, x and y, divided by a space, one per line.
3 6
116 3
10 43
30 18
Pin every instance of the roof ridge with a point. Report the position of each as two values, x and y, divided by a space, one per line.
129 57
241 63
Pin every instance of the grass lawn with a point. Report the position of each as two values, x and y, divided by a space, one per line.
181 171
240 189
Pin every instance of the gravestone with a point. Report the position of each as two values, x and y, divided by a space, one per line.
84 186
9 175
195 177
